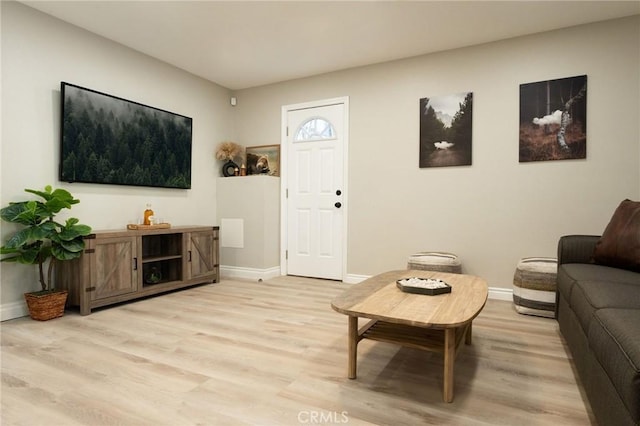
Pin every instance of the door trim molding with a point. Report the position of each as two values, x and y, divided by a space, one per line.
284 164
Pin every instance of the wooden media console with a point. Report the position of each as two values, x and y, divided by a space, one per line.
118 266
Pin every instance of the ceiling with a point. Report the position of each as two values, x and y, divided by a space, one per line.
242 44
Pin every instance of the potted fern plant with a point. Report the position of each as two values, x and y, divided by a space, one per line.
42 241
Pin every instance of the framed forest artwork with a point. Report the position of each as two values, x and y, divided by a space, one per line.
553 119
445 130
110 140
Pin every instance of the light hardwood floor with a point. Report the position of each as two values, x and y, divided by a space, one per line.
274 353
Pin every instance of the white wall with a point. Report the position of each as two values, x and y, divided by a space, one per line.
251 199
38 52
497 210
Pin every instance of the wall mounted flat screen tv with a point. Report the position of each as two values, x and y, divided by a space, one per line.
110 140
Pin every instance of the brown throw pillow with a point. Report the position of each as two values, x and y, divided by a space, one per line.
619 245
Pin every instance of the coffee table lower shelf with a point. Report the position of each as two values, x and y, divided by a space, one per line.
446 341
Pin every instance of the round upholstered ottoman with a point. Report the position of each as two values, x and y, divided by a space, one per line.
435 261
534 286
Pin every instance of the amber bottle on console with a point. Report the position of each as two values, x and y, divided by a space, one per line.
148 214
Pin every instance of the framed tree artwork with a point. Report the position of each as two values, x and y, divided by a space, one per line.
553 119
445 130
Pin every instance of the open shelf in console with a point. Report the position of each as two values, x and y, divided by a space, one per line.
161 271
161 258
160 246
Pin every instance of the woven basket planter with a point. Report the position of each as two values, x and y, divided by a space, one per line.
46 306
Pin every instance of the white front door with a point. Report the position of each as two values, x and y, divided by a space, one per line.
315 193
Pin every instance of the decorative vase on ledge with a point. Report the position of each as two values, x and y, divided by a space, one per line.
229 168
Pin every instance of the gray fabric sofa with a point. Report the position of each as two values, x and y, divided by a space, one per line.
598 310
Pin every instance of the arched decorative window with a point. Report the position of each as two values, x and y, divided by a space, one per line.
314 129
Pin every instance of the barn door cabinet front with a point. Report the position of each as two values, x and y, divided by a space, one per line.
114 267
202 255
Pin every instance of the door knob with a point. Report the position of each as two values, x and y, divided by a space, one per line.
338 204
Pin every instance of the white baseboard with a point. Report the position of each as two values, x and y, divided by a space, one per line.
499 293
354 279
13 310
253 274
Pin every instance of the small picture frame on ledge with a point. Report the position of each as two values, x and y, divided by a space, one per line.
263 160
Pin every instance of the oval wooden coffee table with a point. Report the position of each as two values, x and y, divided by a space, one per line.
434 323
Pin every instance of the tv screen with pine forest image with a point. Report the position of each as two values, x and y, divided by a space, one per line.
110 140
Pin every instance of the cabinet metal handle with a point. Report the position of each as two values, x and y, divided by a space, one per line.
135 263
189 255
